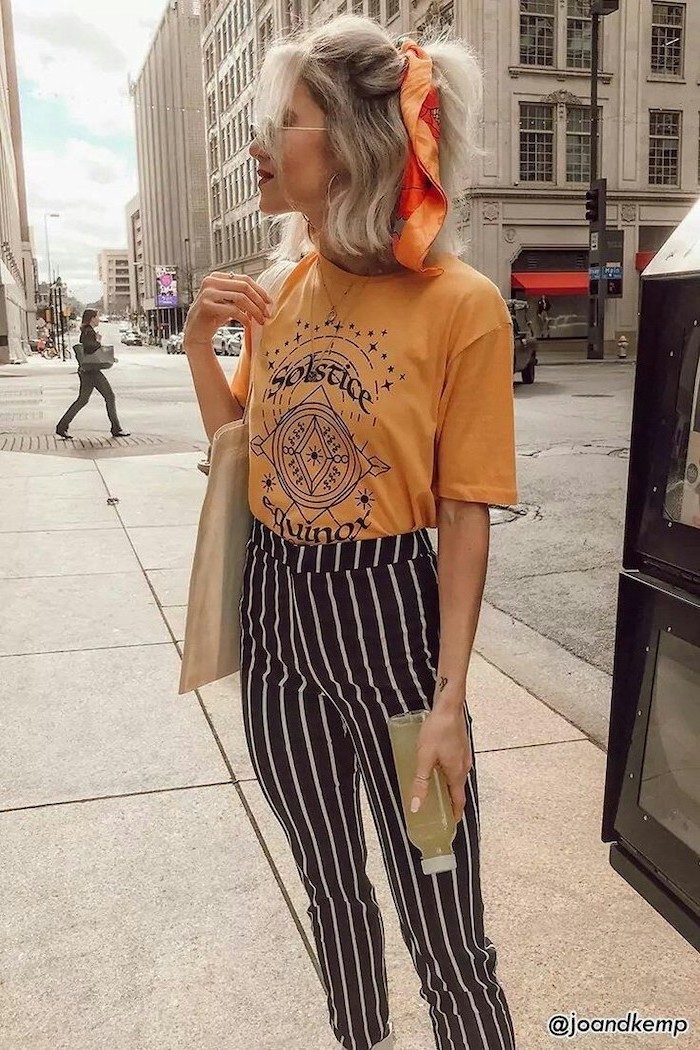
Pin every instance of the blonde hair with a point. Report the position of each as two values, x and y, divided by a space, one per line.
353 71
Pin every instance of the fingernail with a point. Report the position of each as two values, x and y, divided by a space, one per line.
415 805
268 310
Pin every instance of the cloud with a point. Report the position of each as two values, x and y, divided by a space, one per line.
89 187
74 59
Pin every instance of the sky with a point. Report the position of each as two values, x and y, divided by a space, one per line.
74 58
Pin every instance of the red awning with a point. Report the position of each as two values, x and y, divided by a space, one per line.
533 283
642 260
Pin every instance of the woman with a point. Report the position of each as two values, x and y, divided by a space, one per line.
91 379
380 405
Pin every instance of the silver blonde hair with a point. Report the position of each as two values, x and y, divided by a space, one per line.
353 71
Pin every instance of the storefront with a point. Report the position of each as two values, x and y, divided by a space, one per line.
560 276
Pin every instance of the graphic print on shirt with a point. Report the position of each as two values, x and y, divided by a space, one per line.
322 388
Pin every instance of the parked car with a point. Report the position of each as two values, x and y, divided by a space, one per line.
233 344
524 341
174 344
132 338
224 339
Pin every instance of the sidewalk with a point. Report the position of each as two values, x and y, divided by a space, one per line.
149 897
575 352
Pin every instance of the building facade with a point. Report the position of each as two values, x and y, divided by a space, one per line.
17 269
170 143
113 272
137 273
524 212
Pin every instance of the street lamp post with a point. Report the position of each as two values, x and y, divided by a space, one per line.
596 197
49 215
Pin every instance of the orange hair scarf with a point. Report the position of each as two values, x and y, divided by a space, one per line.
422 204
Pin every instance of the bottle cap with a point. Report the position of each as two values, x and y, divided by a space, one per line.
433 865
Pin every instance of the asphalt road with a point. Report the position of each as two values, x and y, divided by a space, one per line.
554 567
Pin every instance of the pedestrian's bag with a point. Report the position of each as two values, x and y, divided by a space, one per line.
212 647
97 360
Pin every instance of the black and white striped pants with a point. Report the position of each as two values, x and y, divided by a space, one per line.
337 638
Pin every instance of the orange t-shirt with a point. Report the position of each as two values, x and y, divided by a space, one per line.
361 421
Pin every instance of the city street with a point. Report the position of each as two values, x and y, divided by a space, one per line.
553 566
163 872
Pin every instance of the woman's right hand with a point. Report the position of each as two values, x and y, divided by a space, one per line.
223 297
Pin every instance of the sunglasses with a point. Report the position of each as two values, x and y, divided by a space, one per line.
268 129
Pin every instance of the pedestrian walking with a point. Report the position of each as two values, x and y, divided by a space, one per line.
544 307
380 405
91 379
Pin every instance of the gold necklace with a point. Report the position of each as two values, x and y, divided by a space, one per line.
332 318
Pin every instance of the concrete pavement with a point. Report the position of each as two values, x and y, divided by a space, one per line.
149 897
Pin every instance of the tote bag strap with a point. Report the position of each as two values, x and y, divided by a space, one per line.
272 281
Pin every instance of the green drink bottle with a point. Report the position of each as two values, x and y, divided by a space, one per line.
432 829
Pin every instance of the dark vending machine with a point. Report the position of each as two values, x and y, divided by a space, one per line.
652 788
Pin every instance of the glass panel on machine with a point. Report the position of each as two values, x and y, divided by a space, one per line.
670 782
682 502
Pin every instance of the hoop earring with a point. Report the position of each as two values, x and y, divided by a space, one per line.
334 176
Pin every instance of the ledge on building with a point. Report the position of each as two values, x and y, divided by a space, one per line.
558 74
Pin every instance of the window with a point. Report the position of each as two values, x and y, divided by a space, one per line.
265 34
664 147
667 39
206 13
537 32
578 34
209 60
578 143
211 108
218 246
392 9
536 142
358 7
343 8
222 95
216 200
374 9
213 153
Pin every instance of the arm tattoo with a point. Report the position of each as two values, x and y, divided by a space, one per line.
441 685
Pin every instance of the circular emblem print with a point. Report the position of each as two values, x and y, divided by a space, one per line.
318 463
692 473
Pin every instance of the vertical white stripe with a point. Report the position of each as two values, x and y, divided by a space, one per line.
406 636
377 552
385 791
338 940
458 906
271 750
367 948
337 556
358 551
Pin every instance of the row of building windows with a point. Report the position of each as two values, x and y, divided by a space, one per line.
238 239
538 136
238 186
373 8
546 38
234 137
240 74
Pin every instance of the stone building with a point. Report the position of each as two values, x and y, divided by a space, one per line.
524 212
17 269
172 165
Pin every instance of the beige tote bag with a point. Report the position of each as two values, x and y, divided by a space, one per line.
212 648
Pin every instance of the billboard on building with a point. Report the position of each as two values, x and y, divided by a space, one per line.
166 287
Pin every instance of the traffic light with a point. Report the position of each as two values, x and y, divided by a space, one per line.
592 205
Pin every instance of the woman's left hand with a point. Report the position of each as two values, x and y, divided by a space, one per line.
444 741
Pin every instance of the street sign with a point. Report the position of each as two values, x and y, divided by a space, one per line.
613 264
594 241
